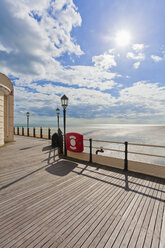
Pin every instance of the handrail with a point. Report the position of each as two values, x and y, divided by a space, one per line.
135 144
147 154
114 150
106 149
108 141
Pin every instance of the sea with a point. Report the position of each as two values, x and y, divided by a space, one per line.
139 134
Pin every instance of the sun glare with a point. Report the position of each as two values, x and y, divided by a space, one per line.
123 38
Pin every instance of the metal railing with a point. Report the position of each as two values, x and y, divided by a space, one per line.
32 132
126 145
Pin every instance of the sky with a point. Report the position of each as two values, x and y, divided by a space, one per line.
106 56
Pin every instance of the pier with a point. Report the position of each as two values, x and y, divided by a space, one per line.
47 201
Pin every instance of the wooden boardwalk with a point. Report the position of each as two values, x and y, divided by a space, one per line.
47 202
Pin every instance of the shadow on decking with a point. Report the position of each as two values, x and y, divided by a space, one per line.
21 178
47 148
25 148
53 155
62 168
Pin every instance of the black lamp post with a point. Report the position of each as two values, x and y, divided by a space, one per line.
58 114
64 104
27 114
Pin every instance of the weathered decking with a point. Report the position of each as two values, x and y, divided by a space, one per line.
46 202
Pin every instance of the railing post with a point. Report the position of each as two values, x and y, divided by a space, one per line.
17 130
90 150
14 130
126 158
28 131
40 132
22 131
34 132
49 133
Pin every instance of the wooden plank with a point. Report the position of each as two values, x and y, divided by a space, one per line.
146 220
27 214
33 213
134 221
76 229
149 235
158 224
135 235
162 235
114 229
47 234
67 203
98 229
81 207
108 233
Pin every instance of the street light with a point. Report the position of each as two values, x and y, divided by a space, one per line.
64 104
58 114
27 114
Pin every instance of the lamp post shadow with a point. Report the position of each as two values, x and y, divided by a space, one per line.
126 182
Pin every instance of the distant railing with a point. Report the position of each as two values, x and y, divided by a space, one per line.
91 148
40 132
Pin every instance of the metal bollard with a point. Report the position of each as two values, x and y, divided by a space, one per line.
34 132
41 132
49 133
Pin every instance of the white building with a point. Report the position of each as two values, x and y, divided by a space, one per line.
6 109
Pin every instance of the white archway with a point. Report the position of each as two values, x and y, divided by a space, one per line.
6 109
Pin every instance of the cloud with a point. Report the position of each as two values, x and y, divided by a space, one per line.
138 47
44 99
139 56
35 33
136 65
104 61
156 58
4 49
144 95
141 100
78 76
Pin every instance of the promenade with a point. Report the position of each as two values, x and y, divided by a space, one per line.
52 202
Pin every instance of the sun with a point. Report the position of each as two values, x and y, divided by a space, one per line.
123 38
